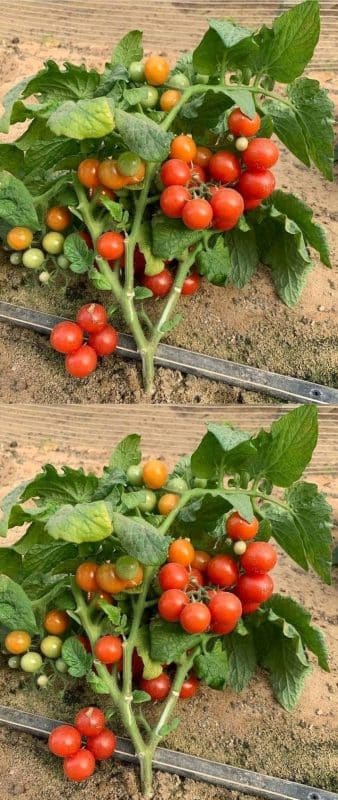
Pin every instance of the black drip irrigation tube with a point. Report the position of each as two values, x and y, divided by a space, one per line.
198 769
245 377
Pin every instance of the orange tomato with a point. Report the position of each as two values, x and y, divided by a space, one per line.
167 503
181 551
108 581
169 99
19 238
56 622
58 218
109 175
183 147
156 70
87 173
154 474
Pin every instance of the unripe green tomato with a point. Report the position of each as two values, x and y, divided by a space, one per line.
31 662
135 475
239 547
51 646
200 483
179 81
126 567
62 262
128 164
44 277
150 99
53 243
177 485
149 502
136 71
15 259
61 665
14 662
202 78
42 681
33 258
241 144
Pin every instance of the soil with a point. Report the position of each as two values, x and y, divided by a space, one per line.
248 730
251 326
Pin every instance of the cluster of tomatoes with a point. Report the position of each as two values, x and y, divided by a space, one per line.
19 643
66 741
20 241
69 338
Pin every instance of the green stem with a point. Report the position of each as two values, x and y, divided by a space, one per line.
129 645
173 297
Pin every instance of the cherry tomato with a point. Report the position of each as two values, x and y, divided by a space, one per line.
137 579
102 191
159 284
171 604
110 245
254 588
104 342
136 71
239 547
56 622
227 205
241 144
181 551
251 202
249 608
88 173
103 745
189 687
175 172
177 485
241 125
195 618
31 662
167 503
53 243
154 473
90 721
150 98
197 214
200 560
42 681
224 166
139 174
15 259
191 284
259 557
173 576
80 766
169 99
225 609
58 218
134 475
109 175
95 597
257 184
126 567
81 363
173 200
108 649
156 70
149 503
85 576
92 318
64 740
237 528
198 175
203 156
158 688
19 238
179 81
261 154
66 337
51 646
222 571
128 164
108 580
196 578
33 258
17 642
183 147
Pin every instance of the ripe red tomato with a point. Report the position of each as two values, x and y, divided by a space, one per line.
257 184
261 154
225 609
90 721
158 688
195 618
201 560
92 318
254 588
224 166
64 740
241 125
198 175
108 649
88 173
103 745
183 147
171 604
80 766
173 200
259 557
237 528
197 214
222 571
191 284
189 687
85 576
137 665
66 337
104 342
227 205
110 245
249 608
81 363
159 284
173 576
181 551
251 202
175 172
203 156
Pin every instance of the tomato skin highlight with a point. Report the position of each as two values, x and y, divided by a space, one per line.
65 740
80 766
256 184
241 125
181 551
259 557
222 571
171 603
17 642
183 147
224 166
254 588
81 363
225 609
56 622
173 576
66 337
158 688
197 214
175 172
189 687
104 342
159 284
155 474
103 745
195 618
85 576
90 721
87 173
108 649
237 528
92 318
173 200
19 238
191 284
261 154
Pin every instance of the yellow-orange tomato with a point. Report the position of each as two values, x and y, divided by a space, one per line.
200 561
109 175
88 173
181 552
184 148
136 580
139 175
99 595
103 191
85 576
156 70
108 581
203 156
154 474
167 503
56 622
169 99
19 238
17 642
58 218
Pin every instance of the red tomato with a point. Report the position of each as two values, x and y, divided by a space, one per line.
249 608
103 745
227 205
257 184
173 200
158 688
110 245
175 172
238 529
260 154
225 609
64 740
92 318
80 766
222 571
81 363
104 342
160 284
90 721
173 576
241 125
66 337
86 238
224 166
198 175
251 202
137 665
108 649
195 618
203 156
171 604
259 557
191 284
197 214
189 687
254 588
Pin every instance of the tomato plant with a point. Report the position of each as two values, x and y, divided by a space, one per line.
149 173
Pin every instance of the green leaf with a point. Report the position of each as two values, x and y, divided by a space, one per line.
243 256
135 96
211 667
314 111
128 49
142 293
151 668
216 45
287 206
16 612
114 75
171 726
46 557
171 324
84 119
287 128
171 237
98 685
117 212
84 522
154 264
241 655
143 136
35 534
286 609
126 453
71 83
11 159
141 697
16 203
199 520
80 256
10 562
37 131
204 112
280 651
99 281
292 440
168 641
242 98
215 263
295 35
115 616
7 503
74 654
283 249
10 102
223 446
72 486
45 155
140 539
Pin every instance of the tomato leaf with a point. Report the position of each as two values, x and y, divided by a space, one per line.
12 105
142 293
99 281
168 641
126 453
288 129
84 119
288 207
204 112
71 83
7 503
43 155
212 666
281 652
80 256
215 263
241 655
72 486
140 539
284 609
282 247
288 449
10 563
16 203
151 668
200 519
74 654
171 237
244 257
216 45
16 612
97 684
11 159
295 35
223 446
113 76
143 136
118 621
84 522
46 557
141 697
171 726
314 111
128 49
